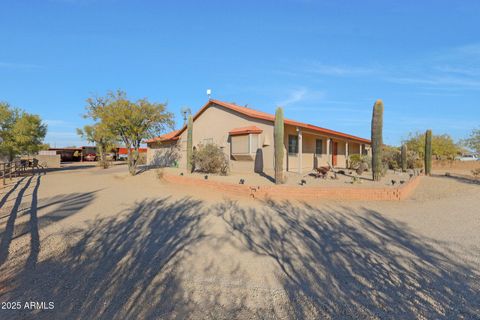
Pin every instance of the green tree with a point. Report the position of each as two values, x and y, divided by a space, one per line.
21 133
102 137
130 121
443 146
473 142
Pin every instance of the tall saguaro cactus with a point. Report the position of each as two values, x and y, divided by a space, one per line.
278 146
377 140
404 157
189 144
428 152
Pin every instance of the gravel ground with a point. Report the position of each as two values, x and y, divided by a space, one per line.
100 244
344 179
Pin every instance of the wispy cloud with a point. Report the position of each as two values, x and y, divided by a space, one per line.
19 66
439 80
63 138
294 96
339 70
301 95
453 68
57 123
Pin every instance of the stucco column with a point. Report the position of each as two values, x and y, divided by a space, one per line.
361 148
346 153
300 150
328 150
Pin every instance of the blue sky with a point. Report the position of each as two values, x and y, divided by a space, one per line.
325 62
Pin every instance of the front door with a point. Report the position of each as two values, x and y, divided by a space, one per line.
334 154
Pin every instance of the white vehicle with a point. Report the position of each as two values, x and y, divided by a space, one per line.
467 157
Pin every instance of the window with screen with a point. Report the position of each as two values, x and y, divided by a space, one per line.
318 146
292 144
240 144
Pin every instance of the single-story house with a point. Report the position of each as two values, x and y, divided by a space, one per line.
246 136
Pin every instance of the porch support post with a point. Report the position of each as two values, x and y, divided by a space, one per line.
328 151
361 148
346 153
300 150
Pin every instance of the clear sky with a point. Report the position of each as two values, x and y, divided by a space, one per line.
325 62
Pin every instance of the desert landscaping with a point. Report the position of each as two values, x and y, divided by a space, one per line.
190 160
114 245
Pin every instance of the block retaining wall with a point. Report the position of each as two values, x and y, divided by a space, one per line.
301 193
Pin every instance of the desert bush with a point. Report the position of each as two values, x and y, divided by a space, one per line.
362 167
476 172
355 160
105 164
418 164
392 158
210 158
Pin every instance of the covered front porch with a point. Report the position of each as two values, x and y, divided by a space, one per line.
307 149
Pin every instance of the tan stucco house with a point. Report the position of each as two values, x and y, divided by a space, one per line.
246 136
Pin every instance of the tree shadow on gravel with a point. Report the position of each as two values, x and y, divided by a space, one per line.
122 267
335 263
64 206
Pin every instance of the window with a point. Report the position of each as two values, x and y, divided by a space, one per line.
318 146
240 144
292 144
244 147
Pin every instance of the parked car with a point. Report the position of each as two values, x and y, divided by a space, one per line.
467 157
90 157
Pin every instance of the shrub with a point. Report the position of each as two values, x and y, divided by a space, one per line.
210 158
105 164
391 158
362 167
355 160
476 172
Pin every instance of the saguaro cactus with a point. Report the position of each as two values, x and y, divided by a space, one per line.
428 152
278 146
189 143
404 157
377 140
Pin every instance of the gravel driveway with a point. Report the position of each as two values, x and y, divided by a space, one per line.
89 243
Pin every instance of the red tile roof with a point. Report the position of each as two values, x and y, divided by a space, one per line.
245 130
166 137
125 150
174 135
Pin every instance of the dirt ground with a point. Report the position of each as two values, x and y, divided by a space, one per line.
100 244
